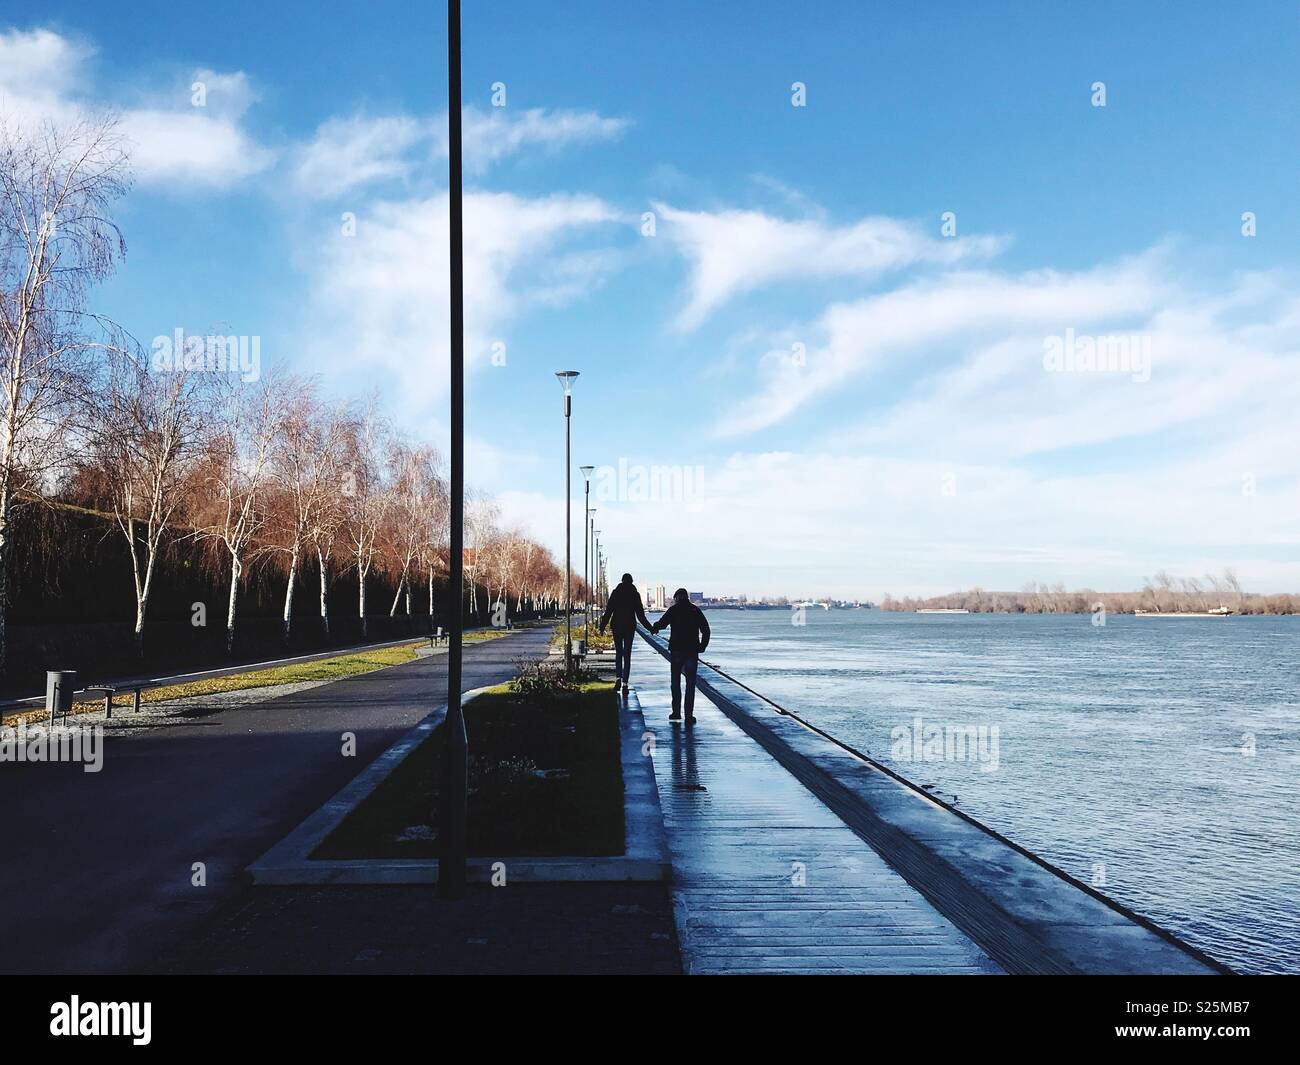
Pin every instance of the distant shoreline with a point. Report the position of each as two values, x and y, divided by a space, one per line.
1163 595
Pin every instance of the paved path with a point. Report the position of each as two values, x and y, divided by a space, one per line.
549 929
96 873
742 829
37 699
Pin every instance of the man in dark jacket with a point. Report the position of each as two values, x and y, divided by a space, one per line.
625 609
689 640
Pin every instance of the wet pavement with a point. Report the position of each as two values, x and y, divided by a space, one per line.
766 879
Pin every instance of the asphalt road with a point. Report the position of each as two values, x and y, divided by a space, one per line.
96 873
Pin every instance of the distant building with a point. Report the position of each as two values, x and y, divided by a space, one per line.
697 597
659 596
647 598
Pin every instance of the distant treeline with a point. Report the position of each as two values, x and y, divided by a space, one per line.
1163 593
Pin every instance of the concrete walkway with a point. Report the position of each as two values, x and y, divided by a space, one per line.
99 866
765 878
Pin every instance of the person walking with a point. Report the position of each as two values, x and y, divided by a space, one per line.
624 609
689 640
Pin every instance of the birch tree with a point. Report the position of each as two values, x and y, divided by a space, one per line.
147 444
307 470
365 500
56 241
416 494
237 474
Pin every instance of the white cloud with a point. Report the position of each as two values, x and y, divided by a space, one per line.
350 152
850 340
383 295
487 137
40 63
184 149
732 252
43 77
852 522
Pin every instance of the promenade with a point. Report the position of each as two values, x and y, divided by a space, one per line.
766 879
792 853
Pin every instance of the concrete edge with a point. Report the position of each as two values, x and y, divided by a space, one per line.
645 856
1028 915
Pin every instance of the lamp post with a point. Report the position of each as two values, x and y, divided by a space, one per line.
453 795
596 555
586 578
586 533
566 379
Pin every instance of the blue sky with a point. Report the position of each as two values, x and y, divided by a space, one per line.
851 400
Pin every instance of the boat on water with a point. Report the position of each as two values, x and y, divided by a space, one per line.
944 610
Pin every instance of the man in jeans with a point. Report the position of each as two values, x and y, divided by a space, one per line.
625 609
689 640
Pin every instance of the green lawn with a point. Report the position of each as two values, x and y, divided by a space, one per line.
320 669
545 778
596 640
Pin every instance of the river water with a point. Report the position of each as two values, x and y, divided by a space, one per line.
1155 758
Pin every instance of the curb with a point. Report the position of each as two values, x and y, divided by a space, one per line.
645 857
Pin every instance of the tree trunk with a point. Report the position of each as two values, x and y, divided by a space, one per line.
361 601
4 577
324 597
142 604
288 594
235 570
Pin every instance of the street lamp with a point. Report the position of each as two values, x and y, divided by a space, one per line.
591 524
586 596
566 379
596 555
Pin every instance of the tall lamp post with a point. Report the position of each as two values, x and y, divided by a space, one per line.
453 796
586 532
566 378
596 555
586 578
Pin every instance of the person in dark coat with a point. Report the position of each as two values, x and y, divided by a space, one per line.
689 640
624 609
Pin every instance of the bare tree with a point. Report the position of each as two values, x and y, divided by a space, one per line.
481 515
237 474
56 241
365 499
416 494
146 445
306 465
